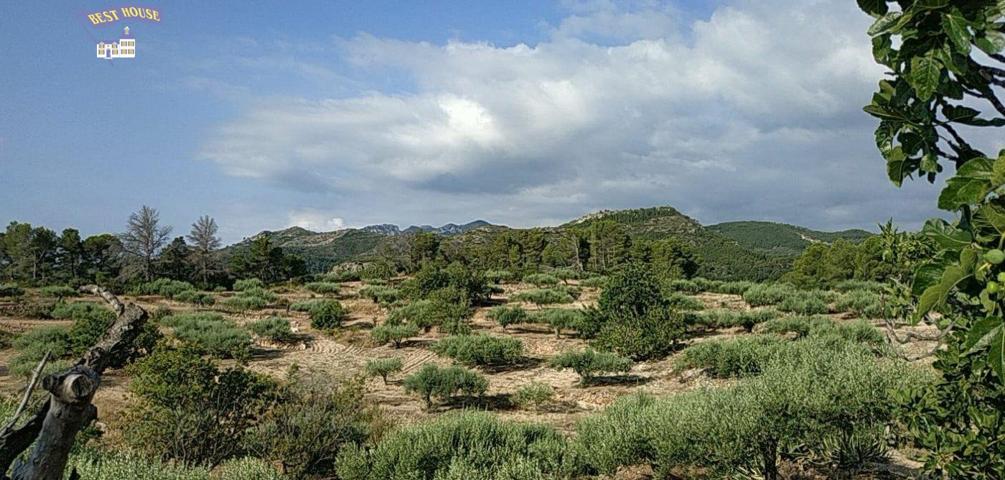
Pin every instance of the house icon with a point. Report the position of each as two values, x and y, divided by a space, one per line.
124 48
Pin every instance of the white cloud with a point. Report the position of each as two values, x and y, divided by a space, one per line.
316 221
730 117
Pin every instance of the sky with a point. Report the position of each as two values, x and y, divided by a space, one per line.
335 114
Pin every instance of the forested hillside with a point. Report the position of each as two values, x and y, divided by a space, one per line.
781 238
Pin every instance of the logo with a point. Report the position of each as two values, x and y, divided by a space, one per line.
125 47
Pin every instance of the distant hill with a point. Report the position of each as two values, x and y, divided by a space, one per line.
781 238
748 250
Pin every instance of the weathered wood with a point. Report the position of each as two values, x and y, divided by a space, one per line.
54 427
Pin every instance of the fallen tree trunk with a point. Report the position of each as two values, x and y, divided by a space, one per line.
68 409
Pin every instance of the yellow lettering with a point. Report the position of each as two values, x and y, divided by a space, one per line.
133 11
94 18
115 14
125 12
157 16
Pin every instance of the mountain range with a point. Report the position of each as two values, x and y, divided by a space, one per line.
745 249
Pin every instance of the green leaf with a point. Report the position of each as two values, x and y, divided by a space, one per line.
992 216
924 76
945 235
887 23
925 276
996 356
981 333
956 26
991 42
936 295
959 113
970 185
873 7
896 165
930 4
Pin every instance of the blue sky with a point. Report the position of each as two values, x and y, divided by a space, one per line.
333 114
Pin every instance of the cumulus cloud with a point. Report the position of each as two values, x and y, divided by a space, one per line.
316 221
754 112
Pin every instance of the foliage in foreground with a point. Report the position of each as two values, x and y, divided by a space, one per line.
211 334
463 446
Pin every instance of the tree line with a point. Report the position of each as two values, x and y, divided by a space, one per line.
36 255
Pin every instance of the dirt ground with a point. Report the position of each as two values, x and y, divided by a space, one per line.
345 354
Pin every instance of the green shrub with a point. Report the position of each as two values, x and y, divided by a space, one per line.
466 445
541 279
506 316
187 410
382 367
32 345
258 292
87 328
863 303
243 304
805 303
686 286
558 318
164 287
305 305
499 276
866 285
204 299
593 282
327 315
734 357
342 276
56 291
444 382
395 334
273 328
733 288
543 296
323 288
210 333
380 294
762 294
242 285
588 363
533 395
94 464
10 290
424 314
315 419
480 349
683 302
797 403
819 326
75 310
725 318
652 335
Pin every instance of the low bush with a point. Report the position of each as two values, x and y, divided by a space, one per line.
650 336
164 287
593 282
381 294
327 315
820 326
382 367
32 345
733 288
734 357
323 288
444 382
480 349
464 445
95 464
680 301
314 419
863 303
795 406
56 291
424 314
558 319
543 296
685 286
762 294
275 329
499 276
395 334
305 305
203 299
342 276
533 395
210 333
75 310
867 285
588 363
805 303
541 279
725 318
506 316
248 283
243 304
